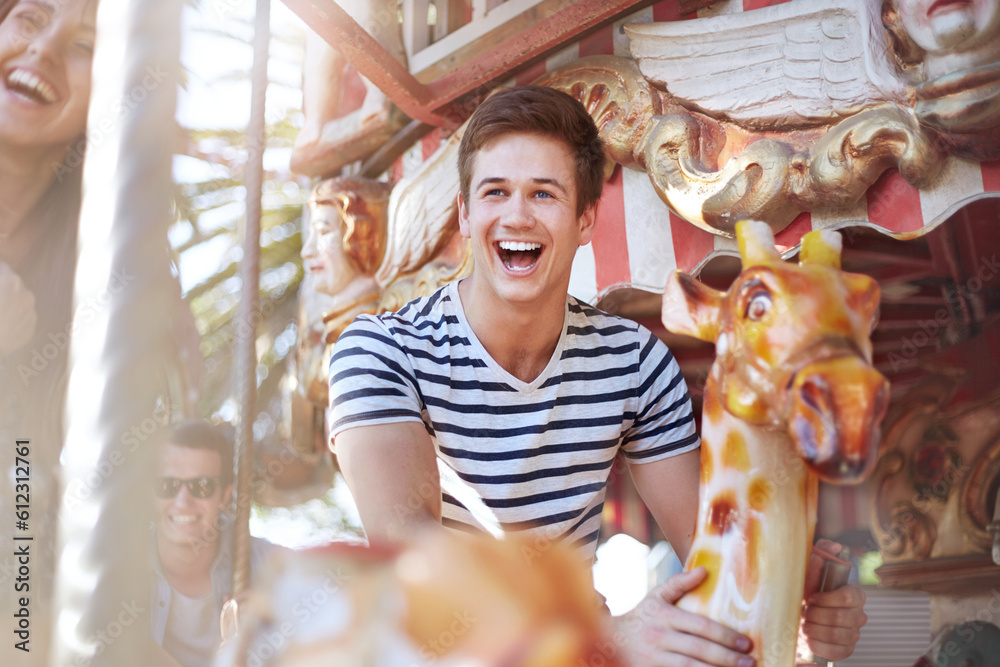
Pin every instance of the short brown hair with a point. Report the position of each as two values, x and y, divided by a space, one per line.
198 434
538 110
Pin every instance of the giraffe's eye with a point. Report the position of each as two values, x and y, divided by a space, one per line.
758 306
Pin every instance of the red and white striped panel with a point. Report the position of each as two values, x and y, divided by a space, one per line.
640 240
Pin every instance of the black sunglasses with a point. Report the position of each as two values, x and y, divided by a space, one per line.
199 487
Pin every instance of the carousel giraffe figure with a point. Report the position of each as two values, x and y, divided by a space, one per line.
791 398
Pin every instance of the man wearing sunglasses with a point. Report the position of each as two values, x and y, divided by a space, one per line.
192 540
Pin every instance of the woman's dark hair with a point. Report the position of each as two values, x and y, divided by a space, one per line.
37 371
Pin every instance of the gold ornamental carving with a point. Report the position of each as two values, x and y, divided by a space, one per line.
795 107
372 247
937 478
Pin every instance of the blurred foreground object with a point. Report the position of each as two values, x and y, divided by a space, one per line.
447 599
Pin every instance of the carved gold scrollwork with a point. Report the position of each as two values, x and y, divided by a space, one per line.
751 186
771 179
901 529
979 496
619 99
851 156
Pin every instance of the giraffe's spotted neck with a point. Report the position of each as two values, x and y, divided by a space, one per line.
756 516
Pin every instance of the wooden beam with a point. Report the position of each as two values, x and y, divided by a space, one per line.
369 57
558 29
433 103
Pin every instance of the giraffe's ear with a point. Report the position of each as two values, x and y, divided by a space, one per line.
691 308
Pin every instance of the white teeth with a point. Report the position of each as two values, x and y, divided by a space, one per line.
26 80
518 246
183 519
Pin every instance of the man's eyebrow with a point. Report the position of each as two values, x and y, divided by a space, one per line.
549 181
491 180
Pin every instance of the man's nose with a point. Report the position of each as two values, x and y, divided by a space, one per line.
518 212
184 496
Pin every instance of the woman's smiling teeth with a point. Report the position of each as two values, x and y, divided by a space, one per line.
27 85
519 255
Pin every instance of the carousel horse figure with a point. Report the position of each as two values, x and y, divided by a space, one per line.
791 398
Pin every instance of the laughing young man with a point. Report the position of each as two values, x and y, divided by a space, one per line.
192 541
498 403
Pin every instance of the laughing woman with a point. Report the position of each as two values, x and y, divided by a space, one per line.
46 49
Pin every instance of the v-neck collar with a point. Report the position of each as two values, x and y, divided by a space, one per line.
516 383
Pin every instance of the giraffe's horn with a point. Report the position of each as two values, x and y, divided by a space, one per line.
756 242
821 247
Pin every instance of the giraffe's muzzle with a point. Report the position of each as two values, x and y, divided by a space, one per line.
837 410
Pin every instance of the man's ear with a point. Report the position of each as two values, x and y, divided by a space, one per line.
227 496
463 218
588 224
691 308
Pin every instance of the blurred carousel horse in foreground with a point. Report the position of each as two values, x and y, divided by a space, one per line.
447 599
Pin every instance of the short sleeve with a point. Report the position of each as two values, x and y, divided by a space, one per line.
371 379
664 423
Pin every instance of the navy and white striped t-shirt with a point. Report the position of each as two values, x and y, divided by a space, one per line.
516 456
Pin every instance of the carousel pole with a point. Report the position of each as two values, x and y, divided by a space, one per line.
249 312
118 351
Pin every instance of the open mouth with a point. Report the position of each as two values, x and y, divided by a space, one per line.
519 255
29 86
183 519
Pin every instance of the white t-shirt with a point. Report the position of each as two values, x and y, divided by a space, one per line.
193 634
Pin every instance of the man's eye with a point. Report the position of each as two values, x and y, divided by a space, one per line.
496 192
86 47
544 195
